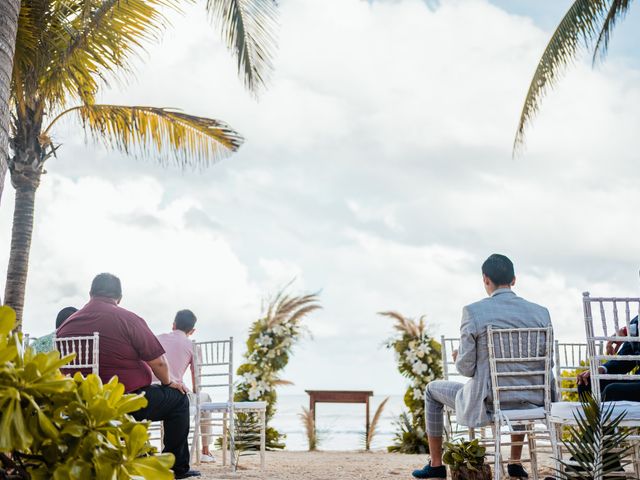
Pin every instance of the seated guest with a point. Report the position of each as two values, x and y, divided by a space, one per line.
471 400
616 390
44 344
179 351
130 351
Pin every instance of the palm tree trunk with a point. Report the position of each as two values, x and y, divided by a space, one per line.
9 10
20 243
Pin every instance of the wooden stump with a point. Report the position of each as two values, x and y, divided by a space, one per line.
464 474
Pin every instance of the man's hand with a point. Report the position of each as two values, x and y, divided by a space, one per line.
181 387
584 378
613 347
454 354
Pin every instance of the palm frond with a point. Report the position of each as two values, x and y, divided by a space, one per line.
617 11
249 30
373 426
187 139
580 24
93 38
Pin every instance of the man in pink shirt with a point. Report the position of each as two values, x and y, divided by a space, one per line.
179 351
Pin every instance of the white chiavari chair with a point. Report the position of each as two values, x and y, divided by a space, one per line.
86 348
520 362
603 319
214 372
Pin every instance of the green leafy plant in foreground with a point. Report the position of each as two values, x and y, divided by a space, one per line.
57 427
466 459
596 443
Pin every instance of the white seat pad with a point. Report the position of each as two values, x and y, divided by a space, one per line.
222 406
524 414
566 410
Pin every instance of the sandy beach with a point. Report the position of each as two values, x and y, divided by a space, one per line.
377 465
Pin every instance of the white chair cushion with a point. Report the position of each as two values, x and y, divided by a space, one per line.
524 414
566 410
238 406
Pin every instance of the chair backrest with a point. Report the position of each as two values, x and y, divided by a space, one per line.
603 319
572 358
520 362
448 365
213 362
86 348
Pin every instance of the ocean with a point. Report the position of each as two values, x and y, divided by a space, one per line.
339 426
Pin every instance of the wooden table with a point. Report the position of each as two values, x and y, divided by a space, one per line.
339 396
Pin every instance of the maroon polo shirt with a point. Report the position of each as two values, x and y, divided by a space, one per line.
126 342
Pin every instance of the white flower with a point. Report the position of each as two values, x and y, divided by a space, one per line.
249 377
417 394
412 344
264 340
271 354
420 354
410 356
419 368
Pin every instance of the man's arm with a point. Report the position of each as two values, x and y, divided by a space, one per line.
160 368
618 367
466 361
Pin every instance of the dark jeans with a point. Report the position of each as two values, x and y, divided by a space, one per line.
172 408
615 390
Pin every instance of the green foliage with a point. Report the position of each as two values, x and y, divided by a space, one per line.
469 455
269 347
56 427
419 359
596 443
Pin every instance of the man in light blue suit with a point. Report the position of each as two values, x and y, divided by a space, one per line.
472 400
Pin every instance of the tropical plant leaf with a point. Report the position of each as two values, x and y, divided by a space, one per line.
579 26
188 139
617 11
249 30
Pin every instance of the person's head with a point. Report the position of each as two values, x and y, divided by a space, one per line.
497 272
63 314
186 321
106 285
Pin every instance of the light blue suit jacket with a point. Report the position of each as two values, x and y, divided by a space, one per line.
504 309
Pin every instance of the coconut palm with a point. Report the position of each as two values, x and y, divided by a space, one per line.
8 25
587 22
65 49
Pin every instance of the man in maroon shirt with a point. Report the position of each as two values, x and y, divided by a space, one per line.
131 351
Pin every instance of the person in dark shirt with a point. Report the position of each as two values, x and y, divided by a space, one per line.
616 390
130 351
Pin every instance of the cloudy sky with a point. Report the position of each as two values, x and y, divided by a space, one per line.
377 170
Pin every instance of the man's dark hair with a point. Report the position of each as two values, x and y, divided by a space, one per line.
499 269
185 320
63 314
106 285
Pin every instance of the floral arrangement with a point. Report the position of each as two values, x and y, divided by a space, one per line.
269 347
419 359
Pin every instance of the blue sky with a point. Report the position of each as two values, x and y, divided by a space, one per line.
377 170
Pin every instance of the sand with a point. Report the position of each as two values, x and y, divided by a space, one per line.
330 466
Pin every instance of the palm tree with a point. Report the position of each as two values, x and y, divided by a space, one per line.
9 10
588 22
64 51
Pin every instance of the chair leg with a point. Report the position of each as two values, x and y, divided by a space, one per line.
533 453
497 462
555 432
224 439
263 438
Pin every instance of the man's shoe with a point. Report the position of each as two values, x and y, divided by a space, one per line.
515 470
188 474
431 472
206 458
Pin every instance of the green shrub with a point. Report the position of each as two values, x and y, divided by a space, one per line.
57 427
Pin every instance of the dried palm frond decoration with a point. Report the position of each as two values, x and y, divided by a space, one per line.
309 425
373 427
269 347
419 359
